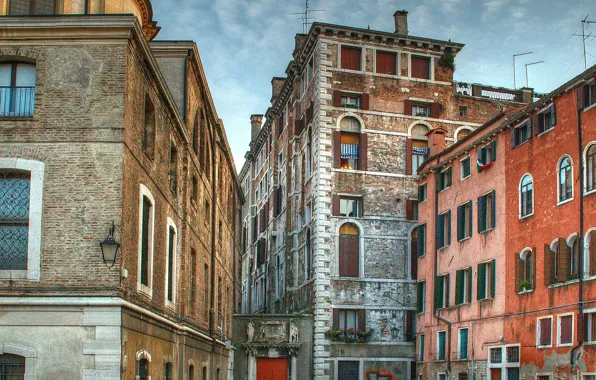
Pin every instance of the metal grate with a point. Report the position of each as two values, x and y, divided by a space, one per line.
12 367
513 354
496 355
14 219
17 101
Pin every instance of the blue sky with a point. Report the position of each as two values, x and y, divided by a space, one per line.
244 43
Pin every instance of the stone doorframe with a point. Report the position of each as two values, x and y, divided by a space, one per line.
253 352
30 355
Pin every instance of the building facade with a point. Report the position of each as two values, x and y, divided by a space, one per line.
106 132
330 183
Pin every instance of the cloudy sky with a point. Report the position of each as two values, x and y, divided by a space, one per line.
244 43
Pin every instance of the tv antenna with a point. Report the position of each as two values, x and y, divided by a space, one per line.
585 24
305 16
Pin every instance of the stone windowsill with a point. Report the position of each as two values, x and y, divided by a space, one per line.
525 291
568 282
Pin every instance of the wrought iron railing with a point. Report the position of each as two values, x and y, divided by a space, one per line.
17 101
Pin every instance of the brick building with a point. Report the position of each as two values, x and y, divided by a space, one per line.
106 132
330 185
522 302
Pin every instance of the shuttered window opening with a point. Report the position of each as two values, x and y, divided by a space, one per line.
349 251
350 58
463 288
486 212
462 350
586 96
442 292
444 230
445 179
421 240
486 280
421 348
544 332
422 193
464 168
420 67
464 221
521 133
441 342
565 334
421 110
546 120
487 154
420 296
349 207
565 180
386 63
590 320
591 168
525 269
410 326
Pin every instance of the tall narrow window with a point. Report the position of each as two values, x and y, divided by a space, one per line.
591 168
350 143
195 134
204 373
444 230
148 142
146 240
191 372
441 340
421 348
143 369
544 332
574 258
349 251
308 259
309 157
193 281
171 262
168 371
486 280
486 212
565 180
206 291
565 330
526 196
525 270
17 89
420 296
419 147
462 349
31 7
463 287
15 190
173 167
464 221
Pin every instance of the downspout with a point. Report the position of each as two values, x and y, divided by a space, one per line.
213 233
436 271
580 245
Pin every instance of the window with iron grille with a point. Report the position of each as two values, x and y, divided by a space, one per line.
348 370
14 219
143 370
31 7
12 367
513 354
496 355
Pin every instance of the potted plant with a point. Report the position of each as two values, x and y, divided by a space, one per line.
525 285
556 280
573 276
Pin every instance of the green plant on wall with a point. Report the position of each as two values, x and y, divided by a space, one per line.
447 60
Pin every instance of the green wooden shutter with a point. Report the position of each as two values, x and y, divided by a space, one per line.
463 344
470 217
448 227
493 214
447 284
438 292
442 345
440 231
459 287
493 277
481 293
469 274
420 199
481 213
449 176
553 114
421 355
493 151
460 222
420 240
420 297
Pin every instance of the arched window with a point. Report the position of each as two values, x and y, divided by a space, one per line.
565 180
526 196
574 257
148 142
309 157
217 375
419 146
17 89
204 373
143 369
526 269
308 256
350 143
31 7
591 168
168 371
462 133
191 372
12 367
349 251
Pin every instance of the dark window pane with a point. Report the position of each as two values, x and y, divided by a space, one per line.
14 219
348 370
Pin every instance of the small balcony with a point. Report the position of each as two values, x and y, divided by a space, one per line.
17 101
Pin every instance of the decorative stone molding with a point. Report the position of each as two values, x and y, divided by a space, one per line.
30 355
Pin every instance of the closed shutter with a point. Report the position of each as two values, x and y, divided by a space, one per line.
407 107
337 149
448 227
365 102
363 151
528 130
335 319
463 344
350 58
536 124
545 332
513 142
581 95
442 345
481 213
461 211
410 330
481 288
409 209
563 260
420 297
493 151
447 286
469 274
335 207
438 292
362 319
441 231
592 253
420 67
386 63
449 177
493 214
553 114
336 98
420 239
349 255
470 217
519 271
459 286
493 278
549 265
435 110
566 326
408 156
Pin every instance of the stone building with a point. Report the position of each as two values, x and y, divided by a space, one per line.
330 185
104 131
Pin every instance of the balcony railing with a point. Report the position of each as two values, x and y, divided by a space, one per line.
17 101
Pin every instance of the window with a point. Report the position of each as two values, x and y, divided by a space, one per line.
171 262
350 143
386 63
526 269
348 370
17 89
421 240
565 180
444 230
441 337
348 319
487 155
420 296
349 207
565 330
442 376
349 251
542 377
590 177
421 348
422 193
420 110
547 119
486 280
464 221
463 286
504 363
588 92
486 212
350 101
168 371
206 288
591 327
308 261
544 332
464 168
31 7
526 196
463 112
193 281
12 367
194 190
462 346
445 179
204 373
462 376
148 142
442 291
589 376
143 369
350 58
420 67
191 372
574 258
521 133
309 153
310 69
147 217
419 147
195 134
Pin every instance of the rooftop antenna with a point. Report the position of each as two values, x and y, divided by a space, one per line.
530 64
305 16
517 55
584 37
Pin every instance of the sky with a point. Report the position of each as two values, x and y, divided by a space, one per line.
245 43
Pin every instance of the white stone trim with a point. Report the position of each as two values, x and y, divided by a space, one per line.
585 173
147 289
459 129
587 243
538 332
171 304
30 355
519 196
558 171
37 170
559 344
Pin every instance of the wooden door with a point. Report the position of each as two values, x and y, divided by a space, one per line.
272 368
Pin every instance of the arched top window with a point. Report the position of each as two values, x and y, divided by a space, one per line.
168 371
526 196
351 144
17 89
191 372
462 133
31 7
148 142
565 185
13 366
143 369
204 373
349 250
350 124
590 177
348 229
419 146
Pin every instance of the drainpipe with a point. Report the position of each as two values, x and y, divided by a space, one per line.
213 233
436 272
580 245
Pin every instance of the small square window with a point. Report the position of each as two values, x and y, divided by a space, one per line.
464 165
349 207
422 193
420 110
350 101
463 111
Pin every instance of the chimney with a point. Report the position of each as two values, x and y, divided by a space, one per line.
401 22
436 140
527 95
276 86
255 127
299 42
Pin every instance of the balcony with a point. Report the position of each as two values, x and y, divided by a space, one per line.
17 101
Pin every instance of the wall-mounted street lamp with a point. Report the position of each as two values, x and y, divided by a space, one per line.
109 247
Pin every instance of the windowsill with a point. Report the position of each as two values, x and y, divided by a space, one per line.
464 239
463 304
565 345
440 191
522 217
521 144
559 284
546 131
16 118
590 107
543 347
593 191
350 71
591 343
13 274
143 289
486 299
463 178
444 248
525 291
565 201
170 305
487 230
